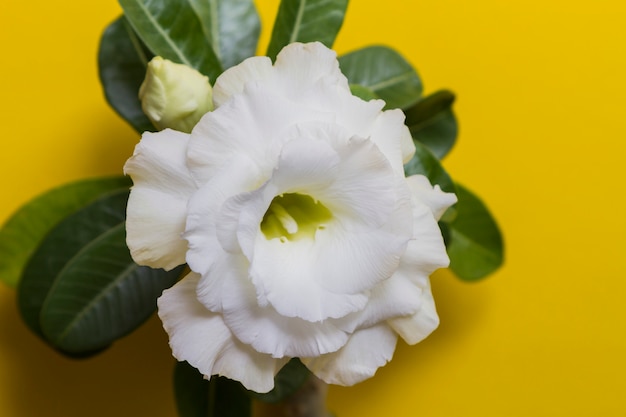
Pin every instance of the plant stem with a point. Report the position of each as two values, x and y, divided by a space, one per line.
308 401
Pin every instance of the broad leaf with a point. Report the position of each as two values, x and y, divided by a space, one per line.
219 397
363 93
175 30
288 380
23 232
386 73
425 163
122 60
81 290
232 28
432 122
475 245
306 21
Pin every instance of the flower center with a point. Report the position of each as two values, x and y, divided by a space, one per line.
294 216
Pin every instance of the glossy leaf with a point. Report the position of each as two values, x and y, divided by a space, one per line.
288 380
386 73
122 60
425 163
219 397
81 290
363 93
23 232
432 122
232 28
475 245
306 21
175 30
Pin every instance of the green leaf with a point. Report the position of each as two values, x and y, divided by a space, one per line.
475 246
22 233
306 21
425 163
386 73
81 290
219 397
232 28
363 93
432 122
288 380
122 60
175 30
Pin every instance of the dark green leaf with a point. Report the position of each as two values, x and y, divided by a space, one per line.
122 60
425 163
176 31
22 233
219 397
386 73
363 93
81 290
432 122
475 244
287 381
306 21
232 28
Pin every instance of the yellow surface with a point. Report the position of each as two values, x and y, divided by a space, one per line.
541 105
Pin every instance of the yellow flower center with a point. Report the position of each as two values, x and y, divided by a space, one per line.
294 216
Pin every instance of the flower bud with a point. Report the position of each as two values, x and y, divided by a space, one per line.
174 95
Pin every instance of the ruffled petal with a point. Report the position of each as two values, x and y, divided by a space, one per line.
393 139
158 200
202 339
262 327
433 197
299 67
366 351
233 80
417 327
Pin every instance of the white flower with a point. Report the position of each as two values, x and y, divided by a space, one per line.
290 206
174 95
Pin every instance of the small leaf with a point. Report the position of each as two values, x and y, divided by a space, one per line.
81 290
176 31
219 397
232 28
288 380
306 21
432 122
122 60
425 163
386 73
475 246
22 233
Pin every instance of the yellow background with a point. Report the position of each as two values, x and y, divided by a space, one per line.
542 139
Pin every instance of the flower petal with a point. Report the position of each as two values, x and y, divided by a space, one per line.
158 200
393 139
366 351
437 200
299 67
233 80
202 339
417 327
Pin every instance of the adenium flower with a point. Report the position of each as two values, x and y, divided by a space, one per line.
290 205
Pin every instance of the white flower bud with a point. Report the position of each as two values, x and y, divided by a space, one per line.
174 95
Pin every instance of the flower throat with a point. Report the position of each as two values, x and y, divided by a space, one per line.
294 216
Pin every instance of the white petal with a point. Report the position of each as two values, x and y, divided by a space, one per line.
393 139
415 328
262 327
202 339
300 66
158 200
366 351
437 200
233 80
251 124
